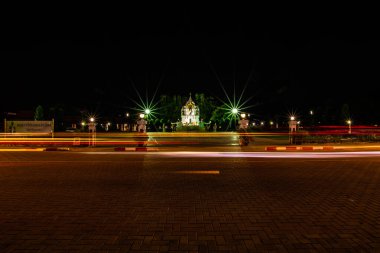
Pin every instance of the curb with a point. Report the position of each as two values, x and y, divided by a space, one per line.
137 149
57 149
298 148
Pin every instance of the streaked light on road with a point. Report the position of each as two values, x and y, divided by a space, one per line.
212 172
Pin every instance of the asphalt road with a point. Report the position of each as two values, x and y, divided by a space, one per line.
188 202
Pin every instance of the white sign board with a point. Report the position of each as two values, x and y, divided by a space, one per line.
35 126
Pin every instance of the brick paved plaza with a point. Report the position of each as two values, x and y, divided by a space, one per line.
73 202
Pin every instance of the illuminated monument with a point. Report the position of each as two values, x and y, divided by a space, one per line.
190 113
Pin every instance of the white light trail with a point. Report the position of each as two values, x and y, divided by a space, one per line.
319 155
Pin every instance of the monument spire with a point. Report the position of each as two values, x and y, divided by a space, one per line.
190 113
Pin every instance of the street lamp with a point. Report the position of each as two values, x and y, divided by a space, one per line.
92 131
147 112
311 117
91 125
127 123
349 122
292 128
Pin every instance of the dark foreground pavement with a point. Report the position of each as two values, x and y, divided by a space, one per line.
77 202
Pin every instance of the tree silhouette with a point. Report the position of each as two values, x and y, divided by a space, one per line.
39 113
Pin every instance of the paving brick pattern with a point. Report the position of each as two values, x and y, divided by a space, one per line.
71 202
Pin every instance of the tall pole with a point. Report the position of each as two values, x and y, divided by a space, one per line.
292 129
92 131
349 126
52 128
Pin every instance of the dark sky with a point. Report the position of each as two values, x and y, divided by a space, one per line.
293 63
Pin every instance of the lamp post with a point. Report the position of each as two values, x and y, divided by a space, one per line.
349 122
292 128
243 122
142 136
147 114
234 112
92 131
243 129
127 125
312 118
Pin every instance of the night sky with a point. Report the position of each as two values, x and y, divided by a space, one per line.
293 64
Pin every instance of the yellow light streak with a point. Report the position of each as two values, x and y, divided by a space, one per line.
210 172
21 149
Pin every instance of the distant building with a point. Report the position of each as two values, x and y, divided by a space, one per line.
190 113
19 115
